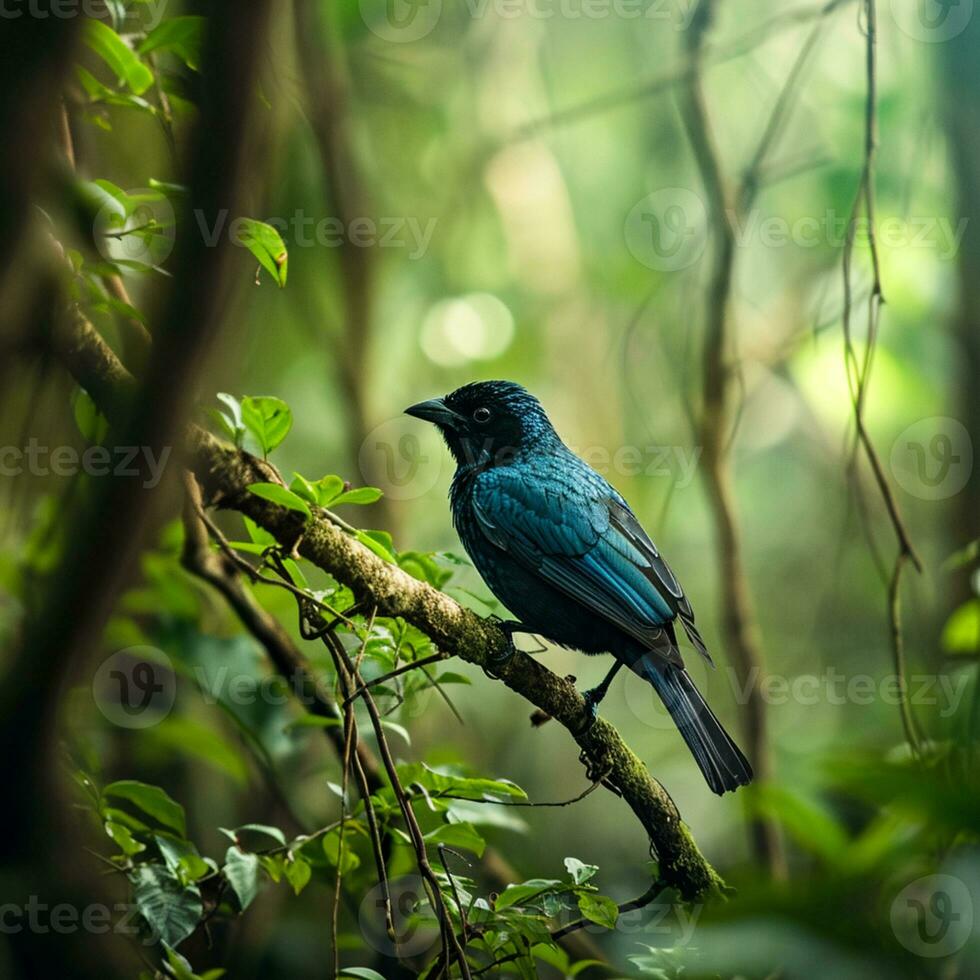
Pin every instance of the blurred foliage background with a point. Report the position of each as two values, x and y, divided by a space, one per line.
488 190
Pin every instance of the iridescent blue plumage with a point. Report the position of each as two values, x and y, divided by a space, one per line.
564 553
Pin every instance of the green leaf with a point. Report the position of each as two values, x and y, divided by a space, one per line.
331 848
92 424
451 677
580 872
266 244
114 51
181 858
328 489
303 488
519 894
599 909
121 836
242 871
363 972
361 495
261 828
961 634
468 788
171 909
313 721
151 800
182 36
277 494
379 542
258 535
298 873
268 419
462 835
234 423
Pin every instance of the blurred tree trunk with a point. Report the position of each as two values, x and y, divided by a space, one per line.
327 90
959 96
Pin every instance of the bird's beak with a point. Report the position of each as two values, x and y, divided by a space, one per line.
435 410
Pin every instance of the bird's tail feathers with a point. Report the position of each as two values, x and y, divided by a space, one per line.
687 620
718 757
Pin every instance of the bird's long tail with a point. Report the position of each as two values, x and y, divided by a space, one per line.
718 757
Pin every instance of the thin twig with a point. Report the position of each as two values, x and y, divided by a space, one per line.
434 658
451 944
858 375
741 629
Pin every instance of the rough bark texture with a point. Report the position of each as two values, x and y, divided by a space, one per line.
224 473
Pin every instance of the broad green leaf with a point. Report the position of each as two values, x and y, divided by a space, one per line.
268 419
519 894
181 857
599 909
553 955
303 488
360 495
171 910
580 872
462 835
451 677
331 848
298 873
242 871
277 494
261 828
259 535
123 838
266 244
379 542
151 800
362 972
114 51
233 421
328 489
182 36
468 788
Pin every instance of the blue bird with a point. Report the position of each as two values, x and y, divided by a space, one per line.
561 549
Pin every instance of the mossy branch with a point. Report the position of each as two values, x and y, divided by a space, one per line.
224 472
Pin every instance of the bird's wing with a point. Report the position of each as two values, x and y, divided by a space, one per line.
581 538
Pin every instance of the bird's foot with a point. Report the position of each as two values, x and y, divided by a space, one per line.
592 698
508 628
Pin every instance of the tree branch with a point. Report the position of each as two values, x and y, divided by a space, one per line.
224 473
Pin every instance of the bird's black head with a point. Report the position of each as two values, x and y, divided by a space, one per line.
487 422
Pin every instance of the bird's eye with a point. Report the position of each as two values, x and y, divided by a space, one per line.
481 415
